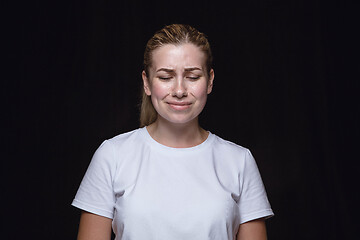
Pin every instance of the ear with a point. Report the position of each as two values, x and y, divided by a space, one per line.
146 83
210 81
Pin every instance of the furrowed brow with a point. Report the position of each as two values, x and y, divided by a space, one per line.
168 70
192 69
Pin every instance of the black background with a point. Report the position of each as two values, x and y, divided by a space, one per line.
286 86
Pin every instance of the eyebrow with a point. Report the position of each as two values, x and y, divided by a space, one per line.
169 70
192 69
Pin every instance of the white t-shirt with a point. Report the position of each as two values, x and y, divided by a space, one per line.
152 191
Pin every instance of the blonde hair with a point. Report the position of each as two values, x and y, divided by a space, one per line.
175 34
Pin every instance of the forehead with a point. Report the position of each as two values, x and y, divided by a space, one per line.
178 56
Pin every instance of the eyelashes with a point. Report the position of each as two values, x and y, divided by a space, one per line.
167 78
194 78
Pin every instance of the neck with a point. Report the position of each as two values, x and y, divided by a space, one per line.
177 135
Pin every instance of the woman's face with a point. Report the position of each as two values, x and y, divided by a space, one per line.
178 82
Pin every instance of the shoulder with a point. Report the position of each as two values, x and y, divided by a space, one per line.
110 148
229 147
123 146
230 154
126 139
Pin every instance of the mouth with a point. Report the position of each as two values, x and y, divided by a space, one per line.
179 105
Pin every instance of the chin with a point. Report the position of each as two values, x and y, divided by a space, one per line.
179 120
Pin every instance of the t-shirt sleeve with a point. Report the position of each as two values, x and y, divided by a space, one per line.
253 202
95 193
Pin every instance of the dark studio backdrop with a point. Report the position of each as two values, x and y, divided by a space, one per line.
286 87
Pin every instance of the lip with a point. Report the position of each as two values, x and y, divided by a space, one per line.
179 105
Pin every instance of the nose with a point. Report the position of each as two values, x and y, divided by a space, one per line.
180 89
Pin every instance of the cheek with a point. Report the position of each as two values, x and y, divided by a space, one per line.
200 91
159 90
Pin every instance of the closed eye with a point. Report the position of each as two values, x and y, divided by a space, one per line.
193 77
164 78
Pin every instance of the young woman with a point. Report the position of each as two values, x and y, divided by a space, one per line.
171 179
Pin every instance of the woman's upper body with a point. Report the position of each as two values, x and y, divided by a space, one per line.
173 179
157 192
